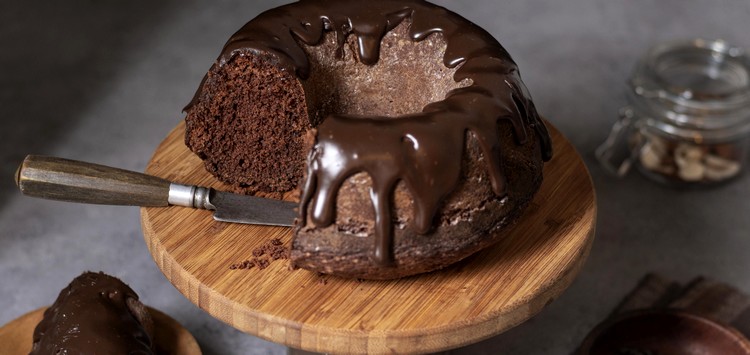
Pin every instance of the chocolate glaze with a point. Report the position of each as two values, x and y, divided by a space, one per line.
423 150
91 316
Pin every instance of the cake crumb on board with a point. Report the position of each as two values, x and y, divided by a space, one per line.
263 255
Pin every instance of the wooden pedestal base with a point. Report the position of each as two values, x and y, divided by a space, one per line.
477 298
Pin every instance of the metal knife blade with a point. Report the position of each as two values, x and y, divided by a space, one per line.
75 181
252 210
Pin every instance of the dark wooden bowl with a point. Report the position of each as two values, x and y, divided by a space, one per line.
663 332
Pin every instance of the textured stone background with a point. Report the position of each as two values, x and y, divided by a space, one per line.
104 81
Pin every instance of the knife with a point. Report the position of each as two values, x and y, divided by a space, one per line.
76 181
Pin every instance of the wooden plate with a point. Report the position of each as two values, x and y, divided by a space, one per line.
169 336
482 296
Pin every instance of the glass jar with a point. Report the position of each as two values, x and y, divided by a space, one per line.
687 121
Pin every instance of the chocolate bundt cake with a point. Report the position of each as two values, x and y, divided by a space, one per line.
405 128
95 314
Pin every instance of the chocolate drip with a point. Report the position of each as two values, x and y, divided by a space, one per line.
91 316
423 150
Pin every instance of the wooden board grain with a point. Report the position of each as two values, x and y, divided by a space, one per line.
169 336
477 298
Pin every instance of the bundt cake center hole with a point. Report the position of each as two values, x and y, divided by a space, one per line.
408 76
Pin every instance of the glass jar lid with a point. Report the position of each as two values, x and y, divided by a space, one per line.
697 89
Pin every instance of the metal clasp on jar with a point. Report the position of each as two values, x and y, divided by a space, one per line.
620 149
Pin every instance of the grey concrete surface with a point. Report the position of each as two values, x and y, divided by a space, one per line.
104 81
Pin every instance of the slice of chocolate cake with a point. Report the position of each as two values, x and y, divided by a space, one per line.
95 314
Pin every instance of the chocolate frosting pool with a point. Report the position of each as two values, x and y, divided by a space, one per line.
424 150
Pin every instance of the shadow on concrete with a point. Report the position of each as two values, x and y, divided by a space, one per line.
55 60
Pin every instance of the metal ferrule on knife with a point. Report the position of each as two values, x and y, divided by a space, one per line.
190 196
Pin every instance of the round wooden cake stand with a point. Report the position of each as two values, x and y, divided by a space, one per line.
477 298
169 336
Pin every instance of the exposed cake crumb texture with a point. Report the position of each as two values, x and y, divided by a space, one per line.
263 255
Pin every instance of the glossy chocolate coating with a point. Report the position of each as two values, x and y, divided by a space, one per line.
424 149
92 316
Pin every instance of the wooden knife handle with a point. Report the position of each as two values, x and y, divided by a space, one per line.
76 181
